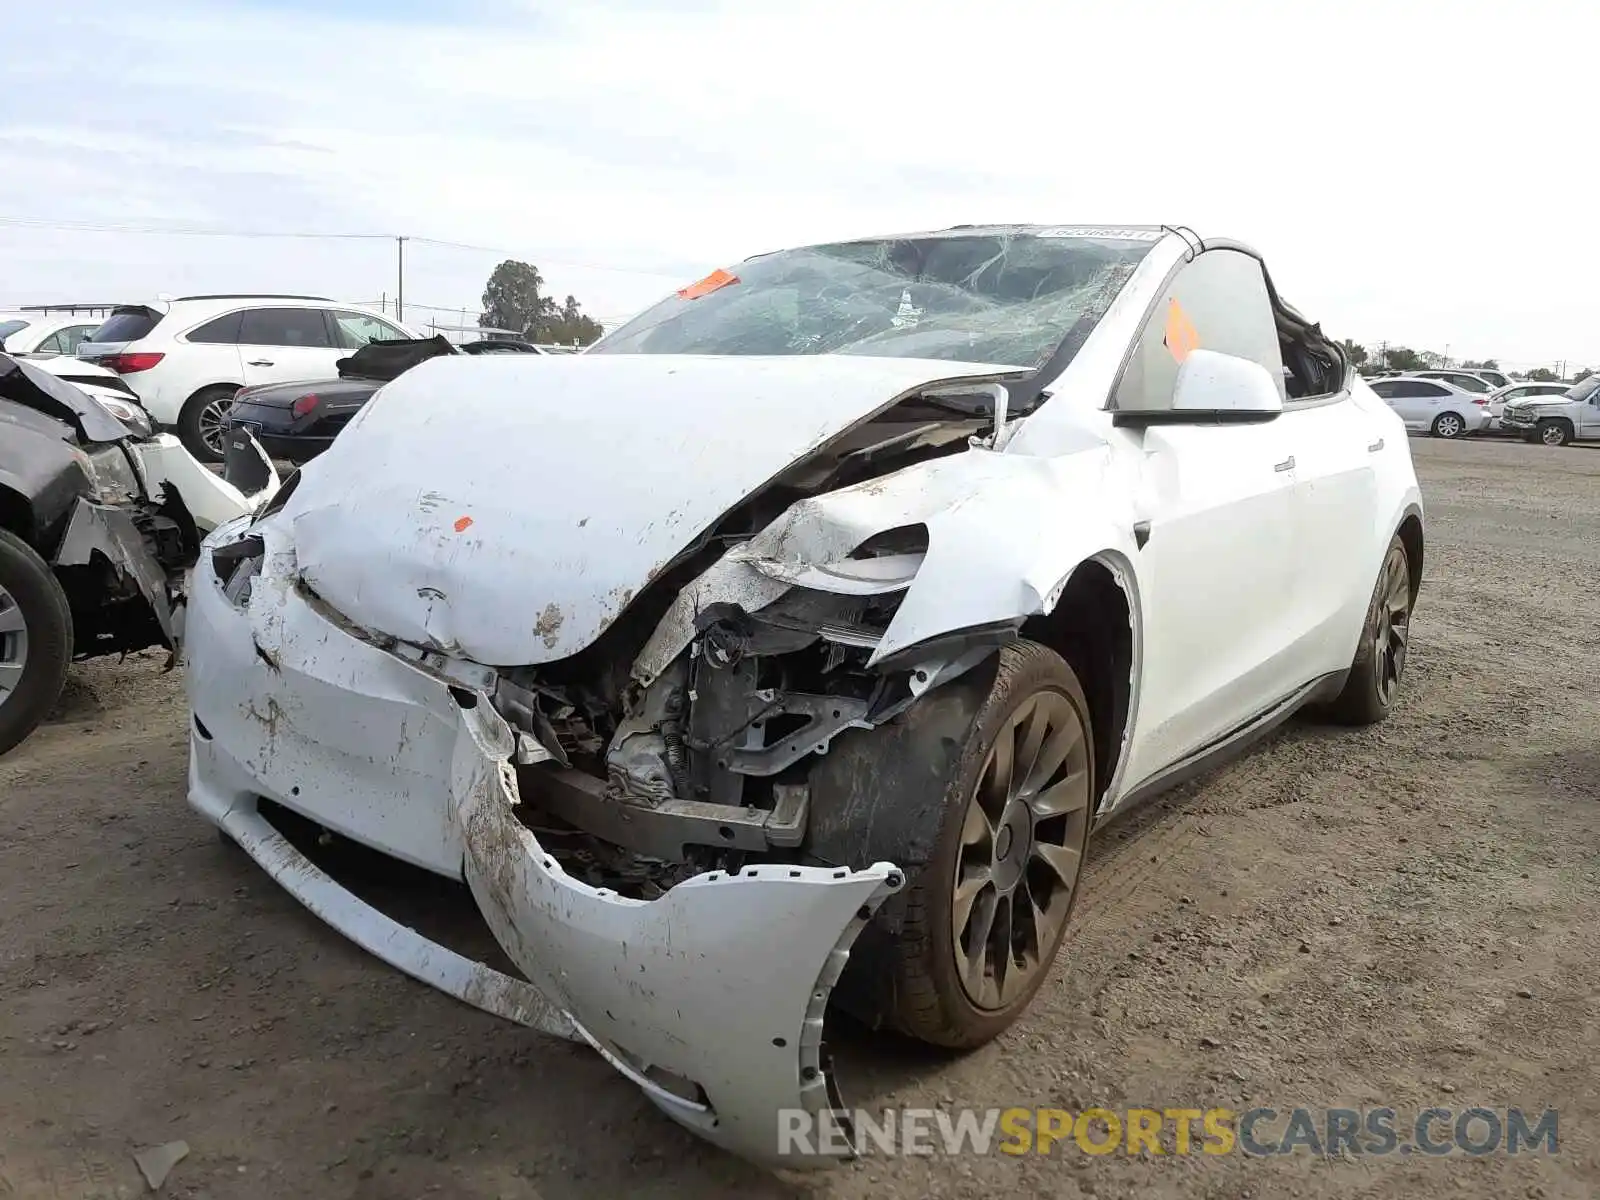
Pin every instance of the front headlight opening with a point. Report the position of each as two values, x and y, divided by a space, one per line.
112 476
901 540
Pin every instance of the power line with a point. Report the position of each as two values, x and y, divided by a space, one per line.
217 231
179 230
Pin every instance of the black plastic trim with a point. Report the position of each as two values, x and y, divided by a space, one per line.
1230 745
1201 416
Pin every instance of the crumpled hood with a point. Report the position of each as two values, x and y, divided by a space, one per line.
507 508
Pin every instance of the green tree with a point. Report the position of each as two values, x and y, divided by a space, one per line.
1543 375
1355 352
1402 358
514 299
1487 364
1580 376
571 327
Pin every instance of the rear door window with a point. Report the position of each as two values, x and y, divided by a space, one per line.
127 324
285 327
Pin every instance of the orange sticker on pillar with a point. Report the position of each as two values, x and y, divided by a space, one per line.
1182 336
717 279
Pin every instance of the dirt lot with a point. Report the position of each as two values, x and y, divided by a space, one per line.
1408 915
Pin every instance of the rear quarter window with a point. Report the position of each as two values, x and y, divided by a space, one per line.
223 330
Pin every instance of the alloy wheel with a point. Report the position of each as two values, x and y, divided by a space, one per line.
13 645
1021 850
1553 435
1393 630
1449 425
214 424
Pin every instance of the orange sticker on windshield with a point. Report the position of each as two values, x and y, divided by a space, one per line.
717 279
1182 336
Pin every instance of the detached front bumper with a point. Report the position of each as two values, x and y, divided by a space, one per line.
711 999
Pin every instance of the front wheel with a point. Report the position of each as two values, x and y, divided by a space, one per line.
35 640
1374 680
1553 431
203 423
986 916
1449 425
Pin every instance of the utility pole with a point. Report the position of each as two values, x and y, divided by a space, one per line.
400 283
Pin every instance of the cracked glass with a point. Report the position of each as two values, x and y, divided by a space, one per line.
1007 297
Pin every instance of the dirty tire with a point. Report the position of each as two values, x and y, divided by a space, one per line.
194 417
1553 431
46 618
1374 681
930 1001
1448 425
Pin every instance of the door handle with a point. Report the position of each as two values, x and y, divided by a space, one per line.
1286 465
260 362
1375 447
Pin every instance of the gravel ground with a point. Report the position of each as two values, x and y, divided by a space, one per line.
1407 915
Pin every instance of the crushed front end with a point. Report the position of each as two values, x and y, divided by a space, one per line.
676 813
684 939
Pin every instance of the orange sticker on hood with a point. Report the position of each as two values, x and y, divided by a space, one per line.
463 524
1182 336
717 279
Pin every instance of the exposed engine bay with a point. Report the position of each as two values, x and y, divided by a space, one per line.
642 778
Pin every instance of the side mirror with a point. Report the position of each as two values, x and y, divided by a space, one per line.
1214 388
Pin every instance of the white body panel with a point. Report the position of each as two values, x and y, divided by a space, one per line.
288 364
210 499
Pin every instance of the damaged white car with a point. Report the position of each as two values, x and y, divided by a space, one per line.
786 647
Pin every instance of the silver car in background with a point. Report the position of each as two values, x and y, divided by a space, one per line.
1475 379
1556 420
1519 391
1435 406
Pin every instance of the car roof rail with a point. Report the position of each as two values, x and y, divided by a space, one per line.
257 296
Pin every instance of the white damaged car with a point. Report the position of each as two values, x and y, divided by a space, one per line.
786 647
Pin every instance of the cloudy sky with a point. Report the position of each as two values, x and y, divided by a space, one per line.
1414 170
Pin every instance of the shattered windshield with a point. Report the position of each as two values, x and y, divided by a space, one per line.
1008 298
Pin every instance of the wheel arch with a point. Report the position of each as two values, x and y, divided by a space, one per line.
213 386
16 512
1411 537
1095 626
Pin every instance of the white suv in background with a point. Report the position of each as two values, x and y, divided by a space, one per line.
32 331
188 356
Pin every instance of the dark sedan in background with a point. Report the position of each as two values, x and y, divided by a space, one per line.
295 422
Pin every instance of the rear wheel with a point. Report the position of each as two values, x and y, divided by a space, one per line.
1448 425
203 423
1374 681
1553 431
35 640
986 916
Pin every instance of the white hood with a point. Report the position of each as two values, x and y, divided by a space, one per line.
507 508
